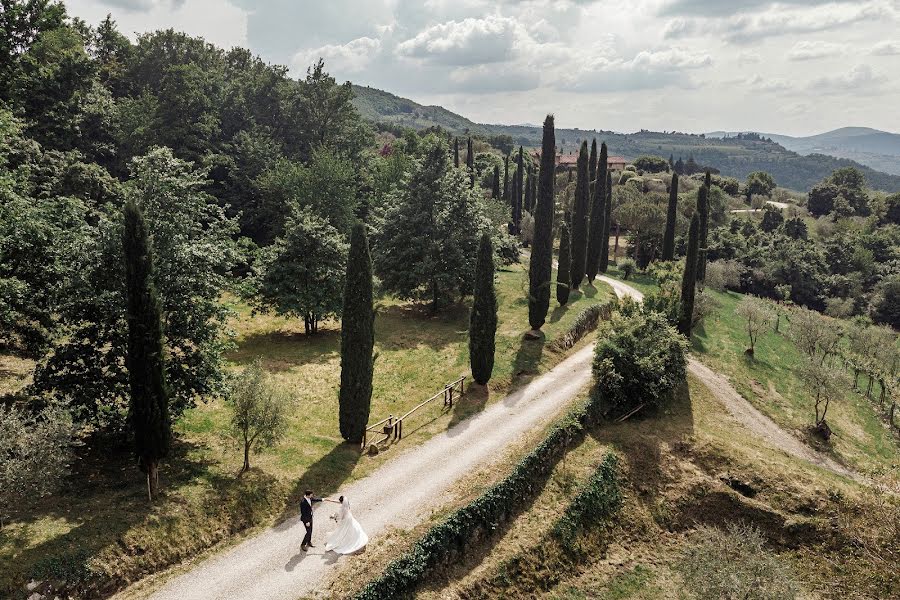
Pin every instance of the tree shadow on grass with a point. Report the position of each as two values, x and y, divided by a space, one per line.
559 311
527 358
473 402
105 501
405 326
642 439
323 477
282 350
589 290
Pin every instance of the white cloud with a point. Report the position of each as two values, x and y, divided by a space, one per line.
351 57
747 57
886 48
861 79
678 28
466 42
767 84
482 79
814 50
143 5
778 21
648 69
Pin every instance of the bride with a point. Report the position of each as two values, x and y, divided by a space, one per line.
349 537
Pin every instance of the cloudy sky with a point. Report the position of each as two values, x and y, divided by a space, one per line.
795 66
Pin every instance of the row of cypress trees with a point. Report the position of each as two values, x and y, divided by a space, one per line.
695 260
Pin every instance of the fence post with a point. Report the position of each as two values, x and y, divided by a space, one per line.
400 430
462 385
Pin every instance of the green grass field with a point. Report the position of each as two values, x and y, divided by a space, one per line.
100 527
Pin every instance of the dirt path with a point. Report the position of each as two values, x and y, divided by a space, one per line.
744 412
400 494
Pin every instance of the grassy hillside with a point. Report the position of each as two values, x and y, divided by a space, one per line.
736 158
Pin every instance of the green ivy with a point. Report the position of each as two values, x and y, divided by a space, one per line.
598 499
585 322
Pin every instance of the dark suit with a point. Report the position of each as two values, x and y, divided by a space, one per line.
306 517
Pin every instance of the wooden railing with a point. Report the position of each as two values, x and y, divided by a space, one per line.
392 427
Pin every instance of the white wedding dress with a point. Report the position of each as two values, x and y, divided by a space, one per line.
349 537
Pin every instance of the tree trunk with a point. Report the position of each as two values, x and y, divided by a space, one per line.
246 466
152 479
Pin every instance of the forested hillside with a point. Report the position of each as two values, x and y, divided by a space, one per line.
736 157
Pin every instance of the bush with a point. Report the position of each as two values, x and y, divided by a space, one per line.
35 454
626 175
723 275
598 499
586 321
704 306
839 308
507 249
627 266
734 564
640 358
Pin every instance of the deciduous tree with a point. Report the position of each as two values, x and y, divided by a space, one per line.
259 411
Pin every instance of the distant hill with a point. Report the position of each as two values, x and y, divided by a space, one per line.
734 157
872 147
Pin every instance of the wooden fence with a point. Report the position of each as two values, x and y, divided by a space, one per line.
392 427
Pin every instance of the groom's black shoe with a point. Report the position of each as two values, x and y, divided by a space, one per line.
303 548
310 546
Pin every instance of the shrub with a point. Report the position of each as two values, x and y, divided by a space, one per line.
839 308
627 266
640 358
723 275
704 306
626 175
734 564
35 453
599 498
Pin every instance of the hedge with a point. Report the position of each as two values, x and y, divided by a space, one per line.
484 515
598 499
585 322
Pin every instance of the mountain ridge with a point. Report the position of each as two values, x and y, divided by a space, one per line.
733 157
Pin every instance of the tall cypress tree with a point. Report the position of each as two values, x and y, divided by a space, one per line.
580 218
470 162
707 179
456 152
689 279
148 408
483 320
598 214
516 208
533 184
495 185
592 166
703 211
540 271
668 249
607 221
565 270
357 340
520 175
506 178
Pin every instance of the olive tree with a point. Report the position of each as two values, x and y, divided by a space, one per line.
259 411
756 317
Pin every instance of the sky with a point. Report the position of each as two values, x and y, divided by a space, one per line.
794 67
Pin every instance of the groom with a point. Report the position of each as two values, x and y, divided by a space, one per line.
306 517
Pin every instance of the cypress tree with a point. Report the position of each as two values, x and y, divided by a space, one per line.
357 340
483 320
689 279
506 178
526 202
148 408
668 249
592 166
456 152
707 180
565 270
540 270
533 185
495 186
516 208
470 162
520 175
580 218
703 211
607 221
598 214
